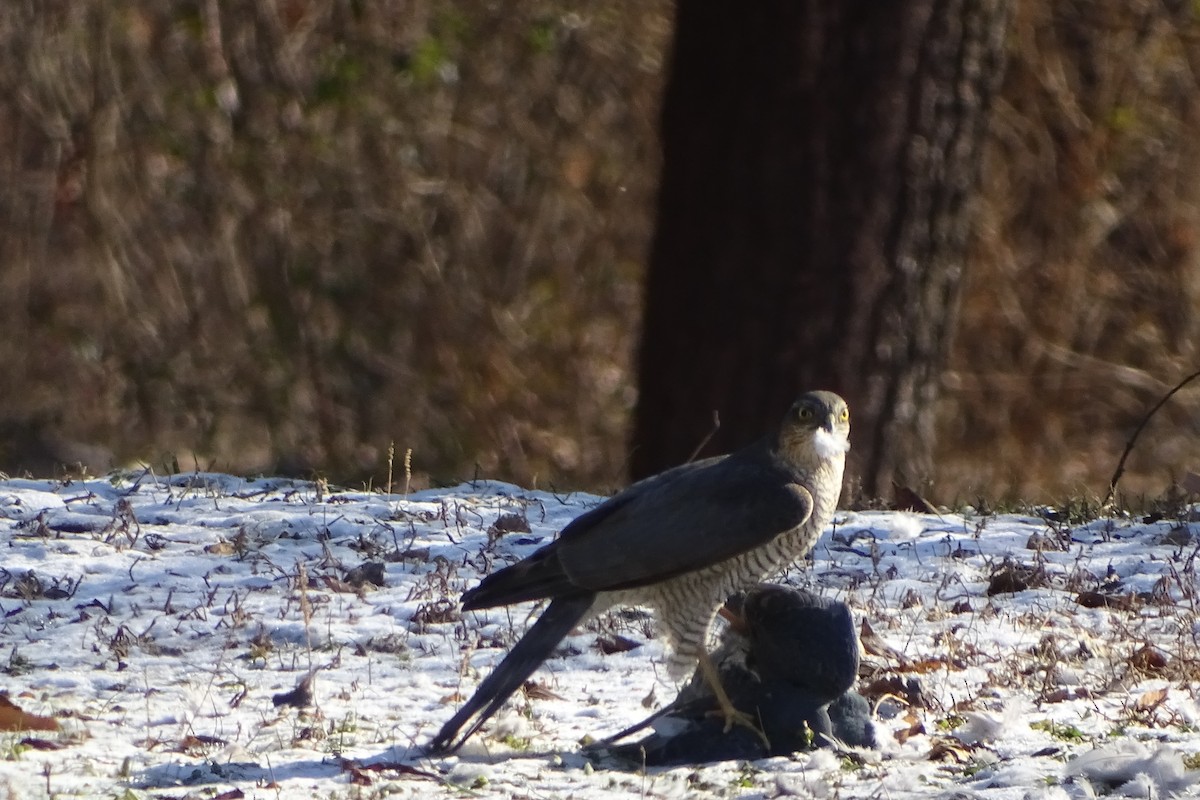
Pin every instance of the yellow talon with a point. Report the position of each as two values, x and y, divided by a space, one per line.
732 715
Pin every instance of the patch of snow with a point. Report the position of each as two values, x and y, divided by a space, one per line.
157 618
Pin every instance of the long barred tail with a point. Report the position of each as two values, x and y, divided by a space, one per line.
563 614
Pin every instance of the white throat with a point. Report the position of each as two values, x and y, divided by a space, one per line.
829 445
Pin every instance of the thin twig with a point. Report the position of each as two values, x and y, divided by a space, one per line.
707 438
390 459
1112 484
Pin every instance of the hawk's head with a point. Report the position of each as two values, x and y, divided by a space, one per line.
817 425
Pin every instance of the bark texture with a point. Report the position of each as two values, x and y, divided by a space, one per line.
819 160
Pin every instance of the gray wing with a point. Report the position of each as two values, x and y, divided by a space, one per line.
681 521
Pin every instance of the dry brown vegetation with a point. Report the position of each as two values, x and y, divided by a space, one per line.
1084 300
281 235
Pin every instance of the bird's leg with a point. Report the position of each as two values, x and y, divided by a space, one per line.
732 715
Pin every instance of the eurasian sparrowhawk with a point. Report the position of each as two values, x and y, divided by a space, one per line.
679 542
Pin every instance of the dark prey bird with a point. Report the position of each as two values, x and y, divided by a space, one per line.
789 658
679 542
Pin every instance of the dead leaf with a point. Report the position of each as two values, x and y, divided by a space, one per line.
915 728
946 748
412 554
232 794
300 697
1122 602
335 585
435 612
1041 542
1059 695
908 691
615 644
507 523
41 744
927 665
1151 700
538 691
1148 659
13 718
386 766
874 645
371 572
1009 580
358 777
199 744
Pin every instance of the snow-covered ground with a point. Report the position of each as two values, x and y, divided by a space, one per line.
147 623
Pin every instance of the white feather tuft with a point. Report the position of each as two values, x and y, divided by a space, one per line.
829 444
1132 769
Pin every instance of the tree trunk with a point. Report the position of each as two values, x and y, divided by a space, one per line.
818 164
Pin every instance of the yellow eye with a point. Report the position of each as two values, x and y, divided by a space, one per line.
845 415
805 413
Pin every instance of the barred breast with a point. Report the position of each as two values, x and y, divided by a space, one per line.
686 606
